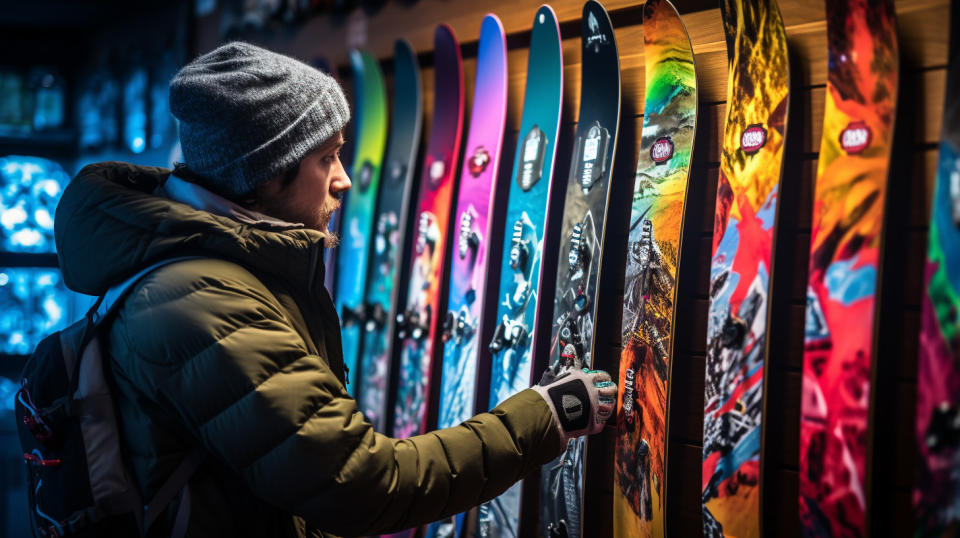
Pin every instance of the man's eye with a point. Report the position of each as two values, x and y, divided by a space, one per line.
329 159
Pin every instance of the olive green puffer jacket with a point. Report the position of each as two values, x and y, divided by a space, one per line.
240 351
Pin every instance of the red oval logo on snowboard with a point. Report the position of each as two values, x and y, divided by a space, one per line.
753 138
662 150
478 162
856 137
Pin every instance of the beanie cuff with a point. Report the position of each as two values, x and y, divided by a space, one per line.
322 119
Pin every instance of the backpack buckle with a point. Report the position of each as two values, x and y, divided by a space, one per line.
32 418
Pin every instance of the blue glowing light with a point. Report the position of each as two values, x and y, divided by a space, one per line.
34 303
30 188
135 111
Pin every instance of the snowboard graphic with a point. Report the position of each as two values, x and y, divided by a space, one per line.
418 323
936 494
747 196
390 236
357 219
845 245
653 252
579 267
525 224
465 322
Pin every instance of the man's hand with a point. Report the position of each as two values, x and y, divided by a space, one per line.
581 400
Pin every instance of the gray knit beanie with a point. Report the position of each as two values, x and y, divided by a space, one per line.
247 115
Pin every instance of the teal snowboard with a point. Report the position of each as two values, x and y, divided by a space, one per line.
523 239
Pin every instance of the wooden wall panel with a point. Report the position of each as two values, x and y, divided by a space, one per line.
924 33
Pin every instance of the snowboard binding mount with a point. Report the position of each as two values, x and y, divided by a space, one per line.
458 327
411 324
508 334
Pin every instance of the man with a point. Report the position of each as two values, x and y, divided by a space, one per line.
238 350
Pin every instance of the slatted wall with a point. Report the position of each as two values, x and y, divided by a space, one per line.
923 32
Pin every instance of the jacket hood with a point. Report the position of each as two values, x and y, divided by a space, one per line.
109 224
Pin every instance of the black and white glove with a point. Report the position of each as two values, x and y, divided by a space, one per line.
581 400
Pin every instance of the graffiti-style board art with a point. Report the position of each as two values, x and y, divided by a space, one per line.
936 494
844 263
389 236
357 220
418 324
465 322
746 208
579 266
653 253
525 224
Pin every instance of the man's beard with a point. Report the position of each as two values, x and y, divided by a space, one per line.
324 218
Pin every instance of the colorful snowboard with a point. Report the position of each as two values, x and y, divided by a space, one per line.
653 255
525 224
466 321
579 269
747 199
936 494
418 324
390 236
845 242
370 114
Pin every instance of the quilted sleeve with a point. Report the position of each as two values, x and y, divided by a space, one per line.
220 353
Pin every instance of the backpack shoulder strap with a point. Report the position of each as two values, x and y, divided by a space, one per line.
105 307
107 304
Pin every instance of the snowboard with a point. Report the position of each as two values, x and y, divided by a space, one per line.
419 322
936 494
845 249
743 232
653 255
468 317
525 224
357 219
465 322
390 237
579 268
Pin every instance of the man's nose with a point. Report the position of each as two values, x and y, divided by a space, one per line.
341 181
